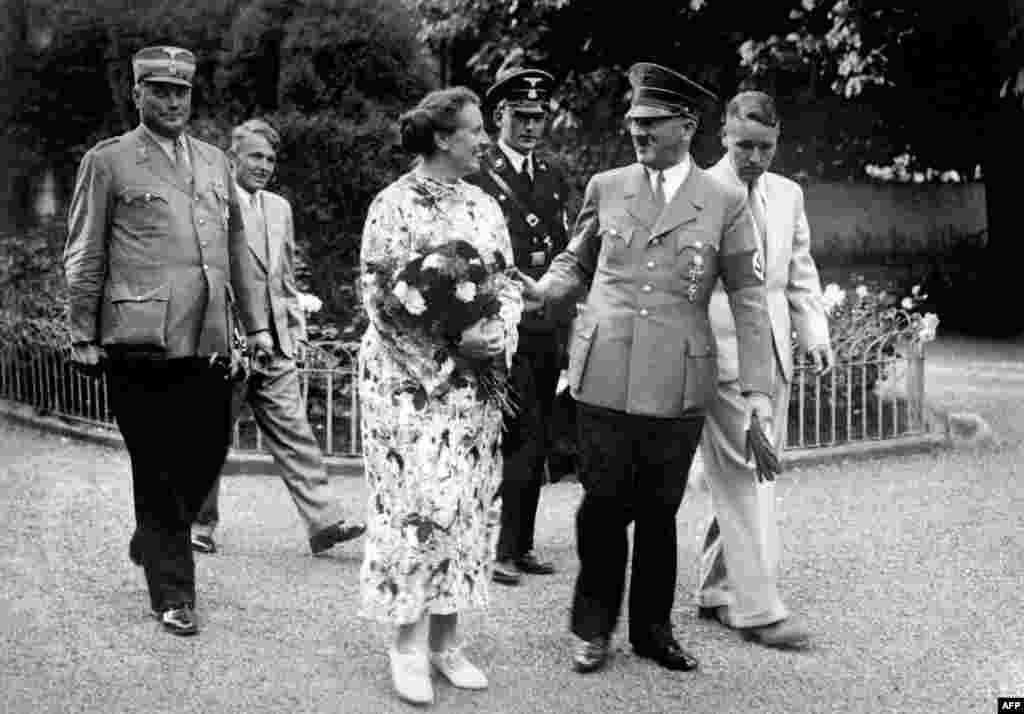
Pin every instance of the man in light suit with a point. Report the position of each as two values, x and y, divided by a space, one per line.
274 392
741 549
651 239
154 258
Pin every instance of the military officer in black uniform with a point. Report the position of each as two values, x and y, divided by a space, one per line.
532 192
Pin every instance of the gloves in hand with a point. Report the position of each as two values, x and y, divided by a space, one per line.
766 460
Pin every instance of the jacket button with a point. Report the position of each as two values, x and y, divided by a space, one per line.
643 312
201 221
205 266
650 264
647 288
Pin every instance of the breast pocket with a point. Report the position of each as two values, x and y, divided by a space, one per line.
143 210
614 245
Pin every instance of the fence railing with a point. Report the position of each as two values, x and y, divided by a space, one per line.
877 395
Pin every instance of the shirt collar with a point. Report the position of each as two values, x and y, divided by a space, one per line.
515 158
674 176
250 200
164 143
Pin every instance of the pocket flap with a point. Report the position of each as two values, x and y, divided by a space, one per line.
134 293
141 195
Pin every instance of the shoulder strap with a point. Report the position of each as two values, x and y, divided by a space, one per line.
538 221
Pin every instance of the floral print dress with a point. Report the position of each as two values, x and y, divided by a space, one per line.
433 466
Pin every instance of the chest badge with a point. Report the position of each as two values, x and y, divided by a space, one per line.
532 220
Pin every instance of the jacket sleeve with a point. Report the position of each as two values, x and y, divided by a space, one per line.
806 308
251 302
573 269
742 273
85 253
296 316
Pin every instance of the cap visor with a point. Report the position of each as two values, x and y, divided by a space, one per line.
646 111
169 80
530 107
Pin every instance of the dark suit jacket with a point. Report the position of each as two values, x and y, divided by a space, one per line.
536 220
153 262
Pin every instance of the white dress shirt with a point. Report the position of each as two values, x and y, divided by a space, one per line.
516 158
673 178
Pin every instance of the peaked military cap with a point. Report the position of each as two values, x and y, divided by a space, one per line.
164 64
661 92
524 89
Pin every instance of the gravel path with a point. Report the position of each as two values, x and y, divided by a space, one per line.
908 569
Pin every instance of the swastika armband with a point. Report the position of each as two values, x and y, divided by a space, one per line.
742 270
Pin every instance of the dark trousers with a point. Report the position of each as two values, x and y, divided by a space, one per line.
527 440
632 468
175 418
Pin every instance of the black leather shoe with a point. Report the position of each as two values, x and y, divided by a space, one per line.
179 621
328 537
203 543
506 573
711 613
590 655
529 564
660 646
135 550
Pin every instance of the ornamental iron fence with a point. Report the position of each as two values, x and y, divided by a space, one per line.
874 392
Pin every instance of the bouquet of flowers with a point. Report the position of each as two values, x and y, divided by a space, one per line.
434 297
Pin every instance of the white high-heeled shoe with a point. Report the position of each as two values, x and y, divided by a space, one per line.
410 673
458 670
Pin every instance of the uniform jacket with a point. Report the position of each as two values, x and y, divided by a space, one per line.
536 220
791 277
272 245
642 343
153 262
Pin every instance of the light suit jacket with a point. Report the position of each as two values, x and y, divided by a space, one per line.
273 251
642 343
153 262
791 277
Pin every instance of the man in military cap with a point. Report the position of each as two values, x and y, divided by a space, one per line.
157 263
651 239
532 192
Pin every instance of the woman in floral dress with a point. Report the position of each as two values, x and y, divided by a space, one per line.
430 444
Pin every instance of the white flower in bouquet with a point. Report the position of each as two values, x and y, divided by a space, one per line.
310 303
928 327
907 303
862 291
434 260
833 297
465 291
413 301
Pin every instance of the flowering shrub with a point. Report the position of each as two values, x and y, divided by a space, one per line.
868 321
875 335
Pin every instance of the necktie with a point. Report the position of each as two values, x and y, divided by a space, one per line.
757 211
527 171
181 160
659 189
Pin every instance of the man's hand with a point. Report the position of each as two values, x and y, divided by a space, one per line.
261 347
88 358
483 339
533 296
823 359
